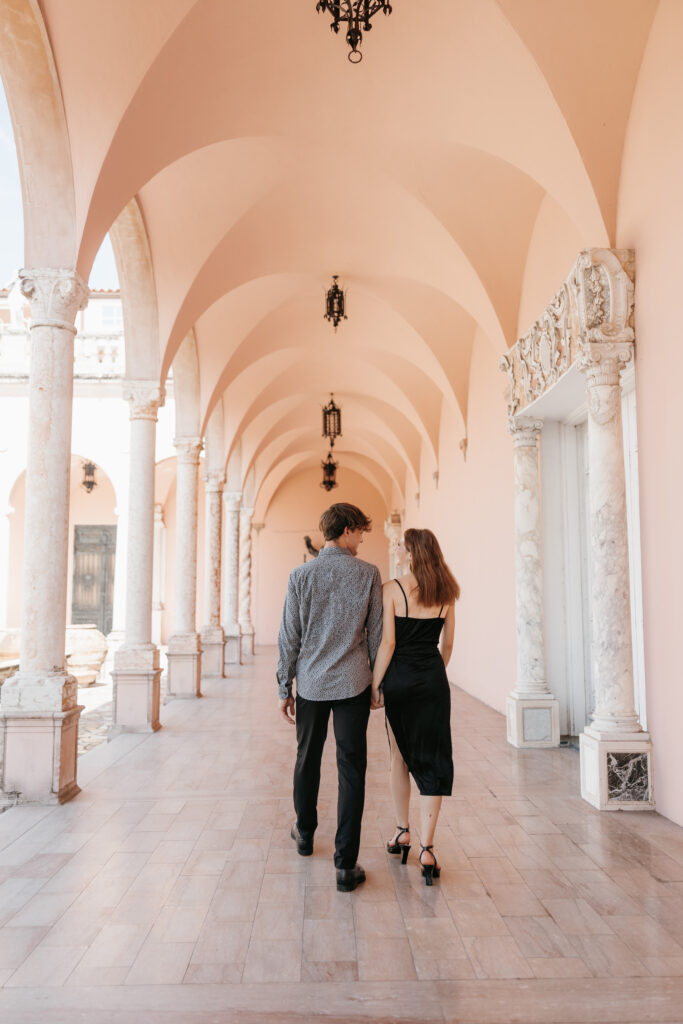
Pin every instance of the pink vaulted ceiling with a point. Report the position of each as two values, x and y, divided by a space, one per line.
262 162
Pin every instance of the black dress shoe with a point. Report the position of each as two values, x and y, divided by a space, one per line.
349 878
304 847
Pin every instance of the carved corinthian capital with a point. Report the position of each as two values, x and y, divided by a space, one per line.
144 398
188 449
233 500
214 481
524 430
55 296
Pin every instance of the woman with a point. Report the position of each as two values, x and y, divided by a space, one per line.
409 680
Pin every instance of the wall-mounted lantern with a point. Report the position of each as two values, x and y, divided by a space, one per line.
335 302
88 483
332 427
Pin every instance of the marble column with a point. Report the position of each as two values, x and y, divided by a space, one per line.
245 571
212 636
231 558
39 712
533 714
137 670
158 573
393 531
184 651
616 754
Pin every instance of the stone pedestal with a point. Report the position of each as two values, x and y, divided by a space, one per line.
136 690
212 637
136 672
616 754
39 711
533 714
184 665
184 652
231 547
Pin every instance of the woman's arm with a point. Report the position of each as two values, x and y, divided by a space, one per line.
386 647
447 635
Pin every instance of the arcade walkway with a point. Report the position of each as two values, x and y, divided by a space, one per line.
169 890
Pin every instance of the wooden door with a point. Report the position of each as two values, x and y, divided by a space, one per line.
93 583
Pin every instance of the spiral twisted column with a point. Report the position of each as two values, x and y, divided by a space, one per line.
533 714
39 712
245 573
231 552
137 671
212 636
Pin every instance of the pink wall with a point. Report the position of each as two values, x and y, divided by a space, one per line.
294 512
471 513
96 508
650 217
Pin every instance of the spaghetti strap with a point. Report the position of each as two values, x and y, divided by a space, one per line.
441 611
404 597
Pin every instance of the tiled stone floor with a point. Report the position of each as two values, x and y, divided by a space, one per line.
169 889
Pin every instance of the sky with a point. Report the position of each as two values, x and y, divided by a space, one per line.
103 274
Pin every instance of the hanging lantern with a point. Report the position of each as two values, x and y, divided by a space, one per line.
331 421
357 15
335 301
329 467
89 482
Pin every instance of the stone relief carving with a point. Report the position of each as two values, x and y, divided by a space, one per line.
593 306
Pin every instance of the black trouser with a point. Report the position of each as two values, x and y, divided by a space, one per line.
350 723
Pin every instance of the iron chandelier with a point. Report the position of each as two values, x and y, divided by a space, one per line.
332 421
335 302
89 482
329 467
357 13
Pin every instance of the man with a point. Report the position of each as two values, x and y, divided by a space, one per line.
331 629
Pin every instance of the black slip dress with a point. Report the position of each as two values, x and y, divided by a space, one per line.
417 702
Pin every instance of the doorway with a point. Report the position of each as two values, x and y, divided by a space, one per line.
92 598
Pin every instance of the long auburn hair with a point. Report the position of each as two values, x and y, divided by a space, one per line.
436 584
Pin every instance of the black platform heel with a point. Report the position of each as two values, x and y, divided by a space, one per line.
396 847
429 871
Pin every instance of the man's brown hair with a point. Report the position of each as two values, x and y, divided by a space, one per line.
336 518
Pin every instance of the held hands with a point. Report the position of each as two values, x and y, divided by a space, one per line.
376 699
287 710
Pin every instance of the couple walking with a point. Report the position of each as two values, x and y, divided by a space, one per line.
354 646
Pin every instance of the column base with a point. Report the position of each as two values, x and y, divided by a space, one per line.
184 658
616 774
136 676
533 721
233 649
213 652
39 745
247 643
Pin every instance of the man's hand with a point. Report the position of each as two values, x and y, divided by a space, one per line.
376 699
287 710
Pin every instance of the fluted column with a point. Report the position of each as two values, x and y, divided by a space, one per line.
616 767
532 711
137 671
39 711
184 652
231 547
212 636
393 531
245 572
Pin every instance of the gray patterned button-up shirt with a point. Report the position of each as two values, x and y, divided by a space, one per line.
331 627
